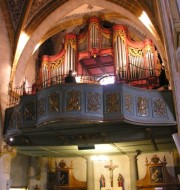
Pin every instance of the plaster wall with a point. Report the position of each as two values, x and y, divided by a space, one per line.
19 170
80 169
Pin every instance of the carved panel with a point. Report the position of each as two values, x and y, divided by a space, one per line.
12 123
128 103
142 106
54 102
112 104
41 107
73 100
29 111
159 107
93 102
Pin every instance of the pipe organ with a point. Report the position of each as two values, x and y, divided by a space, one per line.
99 51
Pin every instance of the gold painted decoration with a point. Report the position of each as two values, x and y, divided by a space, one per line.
159 107
93 102
54 102
128 103
45 64
121 34
148 48
58 63
142 106
135 52
72 42
94 24
41 107
112 102
158 67
81 40
73 100
106 35
29 111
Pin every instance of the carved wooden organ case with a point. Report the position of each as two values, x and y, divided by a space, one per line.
98 51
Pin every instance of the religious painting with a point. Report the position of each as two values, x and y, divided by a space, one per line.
156 174
63 178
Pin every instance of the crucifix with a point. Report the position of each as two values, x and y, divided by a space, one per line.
111 167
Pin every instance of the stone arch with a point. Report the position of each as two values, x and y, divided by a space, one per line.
58 14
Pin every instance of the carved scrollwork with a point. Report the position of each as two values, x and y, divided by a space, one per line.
159 107
93 102
73 100
128 103
41 107
12 123
29 112
54 102
56 64
135 52
112 102
142 106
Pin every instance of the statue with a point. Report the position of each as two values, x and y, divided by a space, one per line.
102 181
36 188
120 180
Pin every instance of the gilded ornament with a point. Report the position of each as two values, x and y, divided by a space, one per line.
128 103
112 102
159 107
72 43
54 102
135 52
93 102
58 63
73 100
121 34
142 106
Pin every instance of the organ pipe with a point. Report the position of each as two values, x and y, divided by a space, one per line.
132 60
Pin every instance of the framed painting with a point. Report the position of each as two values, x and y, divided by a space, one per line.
157 174
63 178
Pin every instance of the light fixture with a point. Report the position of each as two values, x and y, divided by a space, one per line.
86 147
11 139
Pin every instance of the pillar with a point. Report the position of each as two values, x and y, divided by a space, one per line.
133 170
90 173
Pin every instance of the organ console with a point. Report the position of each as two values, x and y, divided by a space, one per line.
100 51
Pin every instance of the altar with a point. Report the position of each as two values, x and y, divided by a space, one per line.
111 188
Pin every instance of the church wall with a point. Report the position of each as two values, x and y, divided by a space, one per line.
30 71
26 171
19 170
38 173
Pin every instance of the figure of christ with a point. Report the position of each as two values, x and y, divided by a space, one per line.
111 168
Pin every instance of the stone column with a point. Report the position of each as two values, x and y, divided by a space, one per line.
133 170
90 173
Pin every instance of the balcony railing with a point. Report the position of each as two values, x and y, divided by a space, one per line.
16 92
